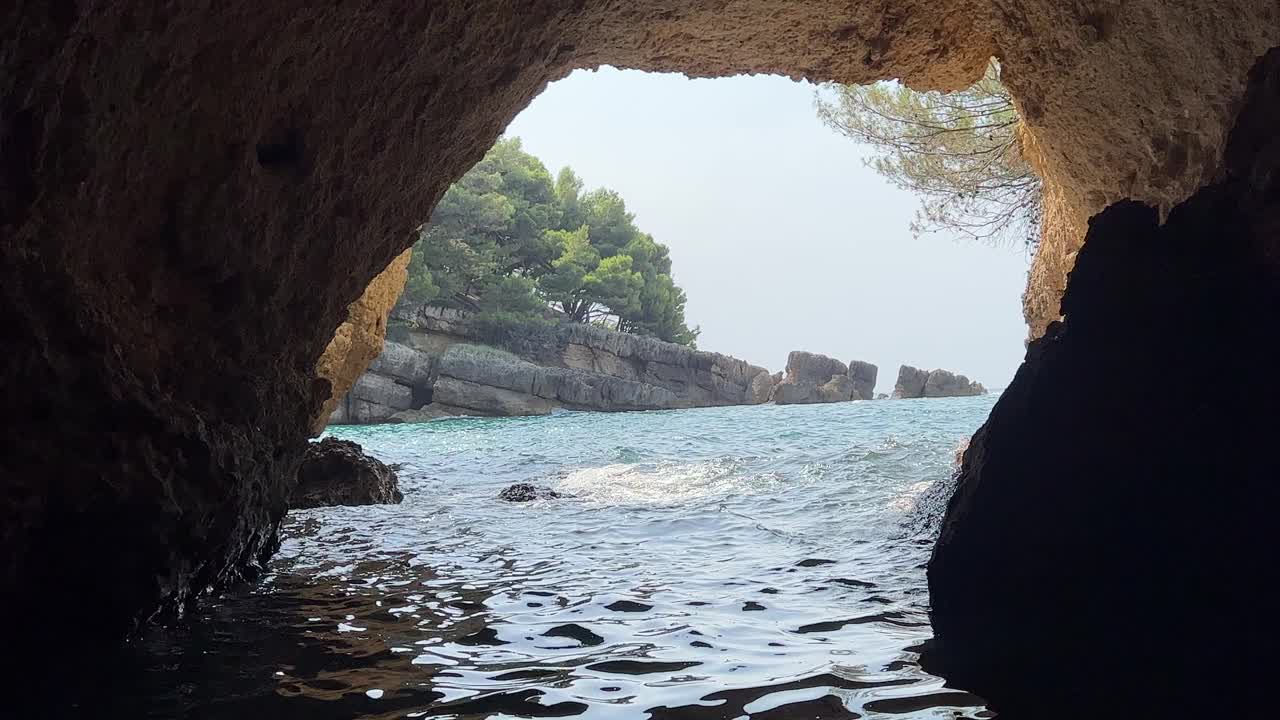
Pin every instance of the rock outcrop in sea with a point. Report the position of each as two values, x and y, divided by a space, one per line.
814 378
527 492
339 472
448 364
916 383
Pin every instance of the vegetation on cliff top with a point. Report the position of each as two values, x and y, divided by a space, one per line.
509 243
960 152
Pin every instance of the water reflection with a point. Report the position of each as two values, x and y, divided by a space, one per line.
778 580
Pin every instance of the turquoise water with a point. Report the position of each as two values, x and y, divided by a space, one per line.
713 563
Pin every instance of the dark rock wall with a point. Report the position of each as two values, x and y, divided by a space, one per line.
1111 540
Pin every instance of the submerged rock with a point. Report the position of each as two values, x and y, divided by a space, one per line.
338 472
527 492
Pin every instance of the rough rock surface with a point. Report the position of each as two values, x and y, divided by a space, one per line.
917 383
807 367
339 472
358 340
426 413
863 375
911 382
813 378
527 492
486 399
1107 536
838 389
193 196
761 388
944 383
442 372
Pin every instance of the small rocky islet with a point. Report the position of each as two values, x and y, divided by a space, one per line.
442 363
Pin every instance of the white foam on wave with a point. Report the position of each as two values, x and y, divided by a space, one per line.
905 501
662 482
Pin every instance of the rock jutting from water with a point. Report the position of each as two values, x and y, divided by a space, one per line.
527 492
339 472
916 383
814 378
449 364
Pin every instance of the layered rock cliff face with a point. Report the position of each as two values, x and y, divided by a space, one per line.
916 383
1109 540
193 195
813 378
445 369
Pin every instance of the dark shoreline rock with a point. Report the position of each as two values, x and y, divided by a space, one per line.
527 492
339 472
1106 554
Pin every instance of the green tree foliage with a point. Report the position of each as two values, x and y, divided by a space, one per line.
566 283
507 242
510 297
959 152
614 285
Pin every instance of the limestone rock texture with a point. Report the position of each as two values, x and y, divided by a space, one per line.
916 383
813 378
358 340
1106 535
944 383
911 382
193 196
863 375
339 472
444 369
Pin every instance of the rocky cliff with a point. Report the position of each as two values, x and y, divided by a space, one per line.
814 378
916 383
445 367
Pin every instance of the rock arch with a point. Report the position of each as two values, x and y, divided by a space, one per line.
193 195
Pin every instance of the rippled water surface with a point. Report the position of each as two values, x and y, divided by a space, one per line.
715 563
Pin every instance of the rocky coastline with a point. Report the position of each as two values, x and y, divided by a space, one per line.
445 363
440 363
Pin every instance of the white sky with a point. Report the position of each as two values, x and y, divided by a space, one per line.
781 237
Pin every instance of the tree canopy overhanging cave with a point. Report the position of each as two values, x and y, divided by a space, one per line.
193 197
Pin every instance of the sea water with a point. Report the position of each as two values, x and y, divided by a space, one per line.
714 563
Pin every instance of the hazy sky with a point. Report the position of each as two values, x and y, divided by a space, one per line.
782 239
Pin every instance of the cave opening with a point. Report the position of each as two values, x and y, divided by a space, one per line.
719 169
